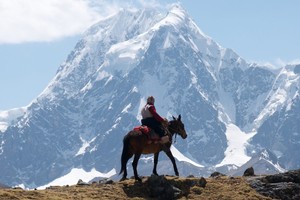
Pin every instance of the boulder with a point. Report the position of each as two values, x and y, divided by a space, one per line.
249 172
202 182
278 186
216 174
81 182
160 188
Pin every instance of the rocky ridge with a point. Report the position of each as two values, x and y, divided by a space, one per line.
217 186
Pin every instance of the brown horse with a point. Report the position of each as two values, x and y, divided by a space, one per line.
137 144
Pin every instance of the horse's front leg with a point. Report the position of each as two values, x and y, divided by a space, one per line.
134 166
155 163
170 155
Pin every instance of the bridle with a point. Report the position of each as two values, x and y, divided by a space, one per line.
172 130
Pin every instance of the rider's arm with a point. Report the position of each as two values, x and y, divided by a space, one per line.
155 114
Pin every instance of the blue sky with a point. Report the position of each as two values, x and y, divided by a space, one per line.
37 35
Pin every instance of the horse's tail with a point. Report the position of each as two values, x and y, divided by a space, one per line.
125 153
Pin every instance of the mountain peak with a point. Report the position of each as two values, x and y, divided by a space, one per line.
178 10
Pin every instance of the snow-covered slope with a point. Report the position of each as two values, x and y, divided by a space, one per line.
280 129
79 120
264 162
75 174
9 117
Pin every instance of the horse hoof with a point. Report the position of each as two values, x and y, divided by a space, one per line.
138 179
122 179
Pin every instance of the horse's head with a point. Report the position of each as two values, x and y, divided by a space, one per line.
177 126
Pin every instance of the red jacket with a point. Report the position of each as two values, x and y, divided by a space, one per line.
151 108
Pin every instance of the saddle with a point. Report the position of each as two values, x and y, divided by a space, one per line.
151 135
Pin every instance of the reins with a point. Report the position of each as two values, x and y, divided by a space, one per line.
174 132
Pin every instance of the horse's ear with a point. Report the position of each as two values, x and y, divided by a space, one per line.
173 117
179 117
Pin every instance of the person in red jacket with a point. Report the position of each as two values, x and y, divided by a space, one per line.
151 118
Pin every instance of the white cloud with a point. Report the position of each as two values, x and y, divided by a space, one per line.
277 63
149 3
283 63
47 20
267 64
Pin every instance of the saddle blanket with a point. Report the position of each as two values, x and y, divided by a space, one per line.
152 136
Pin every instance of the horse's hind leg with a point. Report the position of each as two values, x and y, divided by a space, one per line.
124 164
134 166
155 163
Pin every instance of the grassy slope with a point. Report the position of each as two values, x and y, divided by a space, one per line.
220 188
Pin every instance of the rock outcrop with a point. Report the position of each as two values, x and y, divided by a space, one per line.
279 186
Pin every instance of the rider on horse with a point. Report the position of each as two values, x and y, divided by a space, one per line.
151 118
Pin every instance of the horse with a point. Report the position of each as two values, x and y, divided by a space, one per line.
136 144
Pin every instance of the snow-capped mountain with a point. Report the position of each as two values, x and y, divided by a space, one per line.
231 109
264 162
280 131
